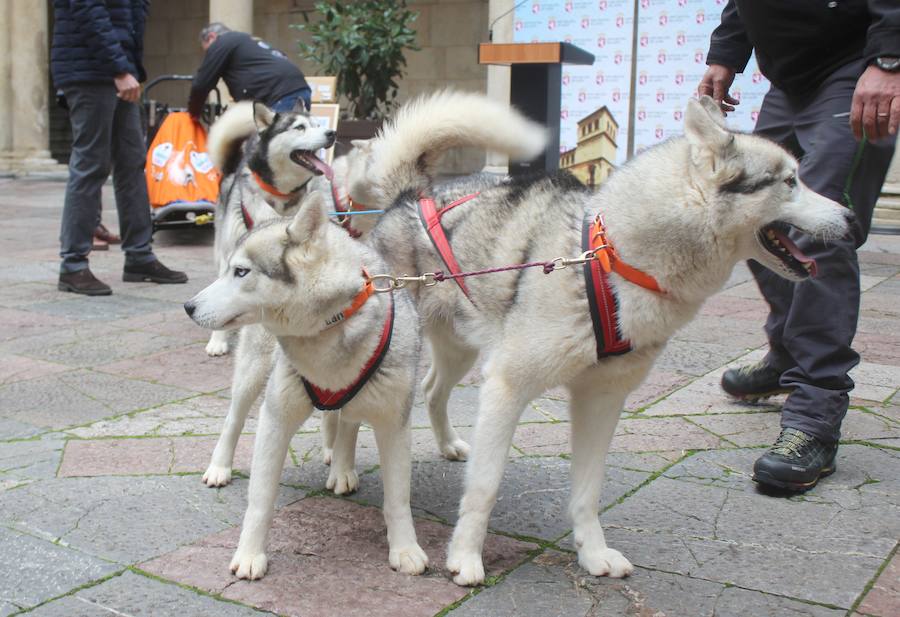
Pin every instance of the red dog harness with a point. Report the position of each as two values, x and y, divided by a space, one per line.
327 400
431 219
601 299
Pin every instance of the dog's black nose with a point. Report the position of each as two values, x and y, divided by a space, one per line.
330 136
189 308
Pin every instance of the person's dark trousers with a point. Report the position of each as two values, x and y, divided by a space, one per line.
288 101
106 136
811 324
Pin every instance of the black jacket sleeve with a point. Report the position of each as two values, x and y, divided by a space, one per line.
92 18
209 73
884 33
729 45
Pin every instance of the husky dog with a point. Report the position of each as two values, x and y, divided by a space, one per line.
296 278
684 212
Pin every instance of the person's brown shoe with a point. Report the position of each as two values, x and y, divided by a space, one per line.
153 272
99 244
102 233
83 282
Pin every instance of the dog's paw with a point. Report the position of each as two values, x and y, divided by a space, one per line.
249 566
455 450
327 455
605 562
217 346
409 560
342 482
467 569
217 476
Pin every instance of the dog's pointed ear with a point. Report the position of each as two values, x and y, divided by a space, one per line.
308 220
262 115
705 131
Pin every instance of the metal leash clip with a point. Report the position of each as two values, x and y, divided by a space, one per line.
399 282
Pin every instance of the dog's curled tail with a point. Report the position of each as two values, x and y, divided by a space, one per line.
410 144
227 134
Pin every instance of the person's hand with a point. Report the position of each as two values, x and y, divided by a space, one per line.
715 83
127 87
876 104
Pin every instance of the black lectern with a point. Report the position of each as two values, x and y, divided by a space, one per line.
535 87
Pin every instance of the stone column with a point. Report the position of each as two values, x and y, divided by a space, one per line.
498 76
29 81
236 14
6 93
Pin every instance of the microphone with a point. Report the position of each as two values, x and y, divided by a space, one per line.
499 17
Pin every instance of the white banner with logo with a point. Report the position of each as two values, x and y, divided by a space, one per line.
673 38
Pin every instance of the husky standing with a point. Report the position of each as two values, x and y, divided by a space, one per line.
675 220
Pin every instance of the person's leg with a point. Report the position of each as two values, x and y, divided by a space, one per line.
130 185
821 324
91 109
289 101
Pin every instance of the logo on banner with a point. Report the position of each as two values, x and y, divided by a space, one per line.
679 77
551 24
757 77
601 41
569 6
678 115
599 79
736 93
699 55
564 113
663 19
645 40
565 79
754 115
661 57
642 78
642 114
620 20
659 132
536 7
680 39
618 58
518 25
602 5
585 22
645 4
701 16
582 96
682 2
616 95
660 96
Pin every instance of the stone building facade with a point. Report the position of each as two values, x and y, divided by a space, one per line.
592 159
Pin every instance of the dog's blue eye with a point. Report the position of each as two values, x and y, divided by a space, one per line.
241 272
791 181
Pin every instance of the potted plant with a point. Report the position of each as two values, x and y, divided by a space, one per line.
363 44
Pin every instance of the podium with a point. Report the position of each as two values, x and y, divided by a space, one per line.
536 88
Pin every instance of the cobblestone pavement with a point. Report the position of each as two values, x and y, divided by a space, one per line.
109 409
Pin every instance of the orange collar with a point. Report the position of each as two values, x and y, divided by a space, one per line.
271 190
357 303
611 262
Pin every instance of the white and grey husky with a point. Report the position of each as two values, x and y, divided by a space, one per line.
684 213
306 282
268 163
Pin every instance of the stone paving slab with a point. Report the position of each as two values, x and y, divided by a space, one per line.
826 546
133 594
463 409
126 519
19 368
204 415
884 598
329 557
105 308
533 498
185 367
34 459
33 570
553 585
168 323
108 348
78 397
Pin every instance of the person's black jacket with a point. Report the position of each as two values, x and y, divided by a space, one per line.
95 40
800 42
251 69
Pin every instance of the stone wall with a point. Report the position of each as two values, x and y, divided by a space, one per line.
448 34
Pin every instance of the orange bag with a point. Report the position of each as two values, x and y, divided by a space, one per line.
178 167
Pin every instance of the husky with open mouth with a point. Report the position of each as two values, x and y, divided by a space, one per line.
660 237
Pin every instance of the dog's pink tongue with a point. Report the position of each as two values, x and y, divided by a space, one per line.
796 252
327 171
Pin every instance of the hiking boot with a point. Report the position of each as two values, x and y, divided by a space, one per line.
795 462
153 272
83 282
752 382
